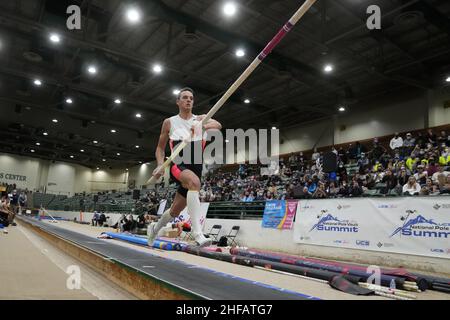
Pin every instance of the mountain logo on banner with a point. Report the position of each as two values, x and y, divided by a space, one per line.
423 227
331 223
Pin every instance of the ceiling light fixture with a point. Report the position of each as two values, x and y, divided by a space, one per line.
229 9
55 38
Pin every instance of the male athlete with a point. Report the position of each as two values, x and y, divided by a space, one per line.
187 175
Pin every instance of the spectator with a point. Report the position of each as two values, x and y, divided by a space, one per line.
377 150
409 143
439 172
420 141
102 219
95 219
22 201
431 138
442 139
344 189
445 187
444 158
390 180
411 188
309 189
315 155
247 197
14 202
333 190
429 188
396 142
421 175
320 192
355 190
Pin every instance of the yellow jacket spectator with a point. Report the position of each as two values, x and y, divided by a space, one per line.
443 161
410 162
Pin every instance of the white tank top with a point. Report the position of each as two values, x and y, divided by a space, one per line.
180 129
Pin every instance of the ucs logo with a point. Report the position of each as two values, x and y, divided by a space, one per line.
363 243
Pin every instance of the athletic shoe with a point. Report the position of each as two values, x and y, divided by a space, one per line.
5 230
14 224
151 234
201 240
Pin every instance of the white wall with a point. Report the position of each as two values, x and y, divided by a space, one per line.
20 166
439 115
383 116
399 116
109 180
61 179
141 173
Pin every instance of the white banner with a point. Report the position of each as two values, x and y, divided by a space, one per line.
184 216
419 226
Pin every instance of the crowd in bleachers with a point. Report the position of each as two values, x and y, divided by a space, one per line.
409 165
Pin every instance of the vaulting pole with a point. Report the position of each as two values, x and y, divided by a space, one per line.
267 50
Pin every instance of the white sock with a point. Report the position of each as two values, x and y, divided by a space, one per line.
165 218
194 209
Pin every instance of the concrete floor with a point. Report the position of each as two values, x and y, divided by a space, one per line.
32 269
290 282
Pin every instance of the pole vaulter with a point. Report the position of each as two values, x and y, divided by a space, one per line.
264 53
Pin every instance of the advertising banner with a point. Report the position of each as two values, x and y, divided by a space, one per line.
419 226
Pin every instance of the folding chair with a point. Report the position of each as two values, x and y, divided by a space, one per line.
232 235
214 232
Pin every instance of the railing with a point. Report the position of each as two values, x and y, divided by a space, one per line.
236 210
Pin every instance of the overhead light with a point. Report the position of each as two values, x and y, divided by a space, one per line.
247 101
229 9
118 153
32 150
448 79
133 15
328 68
71 157
92 69
69 101
45 133
342 109
38 144
227 141
117 101
113 131
81 150
55 120
157 68
137 147
104 160
176 92
138 115
240 53
55 38
95 141
37 82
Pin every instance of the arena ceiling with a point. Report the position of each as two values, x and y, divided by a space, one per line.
195 45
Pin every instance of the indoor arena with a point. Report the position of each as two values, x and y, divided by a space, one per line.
246 151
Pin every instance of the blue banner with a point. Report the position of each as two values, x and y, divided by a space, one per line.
274 213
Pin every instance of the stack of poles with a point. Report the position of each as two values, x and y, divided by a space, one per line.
385 280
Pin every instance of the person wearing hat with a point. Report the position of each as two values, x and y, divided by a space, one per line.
408 144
